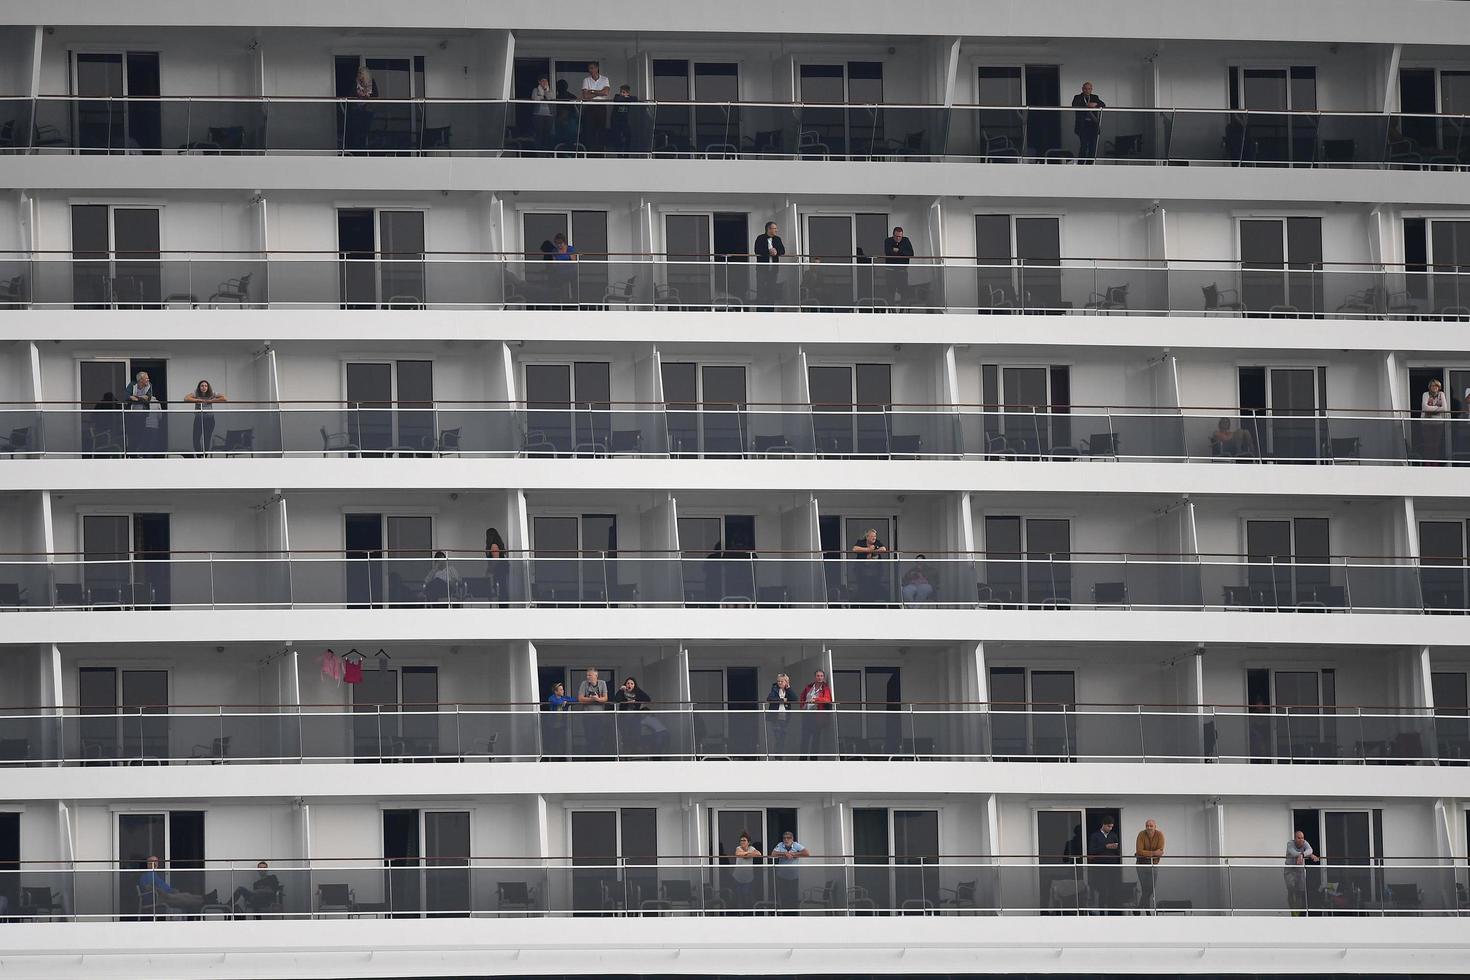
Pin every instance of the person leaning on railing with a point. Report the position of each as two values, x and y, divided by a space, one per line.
1298 853
1148 850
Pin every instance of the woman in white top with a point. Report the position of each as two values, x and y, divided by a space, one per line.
743 875
442 583
541 115
1434 407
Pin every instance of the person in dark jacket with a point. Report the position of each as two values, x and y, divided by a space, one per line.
779 705
898 248
768 249
1088 123
630 698
1105 858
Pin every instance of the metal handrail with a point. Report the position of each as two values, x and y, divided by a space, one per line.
743 104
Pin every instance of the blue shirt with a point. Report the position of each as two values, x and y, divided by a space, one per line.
787 868
154 881
564 256
560 702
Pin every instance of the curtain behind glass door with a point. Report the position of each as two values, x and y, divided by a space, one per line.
145 711
687 247
446 859
139 276
401 258
107 551
1442 573
595 879
1294 408
916 856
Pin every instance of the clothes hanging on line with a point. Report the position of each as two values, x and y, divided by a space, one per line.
333 666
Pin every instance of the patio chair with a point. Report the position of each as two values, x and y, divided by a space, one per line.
233 290
1113 298
338 442
19 441
1217 299
514 896
335 897
234 442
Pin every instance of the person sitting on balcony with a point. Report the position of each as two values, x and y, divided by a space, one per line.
916 584
262 895
1226 441
442 583
155 891
1088 123
632 698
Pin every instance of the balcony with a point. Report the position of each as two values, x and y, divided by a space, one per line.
704 886
697 732
728 579
724 431
927 284
727 130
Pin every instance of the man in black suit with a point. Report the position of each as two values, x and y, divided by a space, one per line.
1105 849
768 248
1088 123
898 248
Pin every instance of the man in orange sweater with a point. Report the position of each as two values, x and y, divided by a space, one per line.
1148 849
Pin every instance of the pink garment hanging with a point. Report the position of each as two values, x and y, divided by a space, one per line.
352 672
333 666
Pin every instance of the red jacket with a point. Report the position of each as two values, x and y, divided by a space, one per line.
823 697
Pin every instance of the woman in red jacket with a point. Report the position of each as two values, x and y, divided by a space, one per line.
816 699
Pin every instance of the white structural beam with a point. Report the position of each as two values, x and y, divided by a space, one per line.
1247 21
715 945
1198 479
338 781
798 625
1180 334
796 179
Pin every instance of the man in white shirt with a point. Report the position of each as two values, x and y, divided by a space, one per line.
596 87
